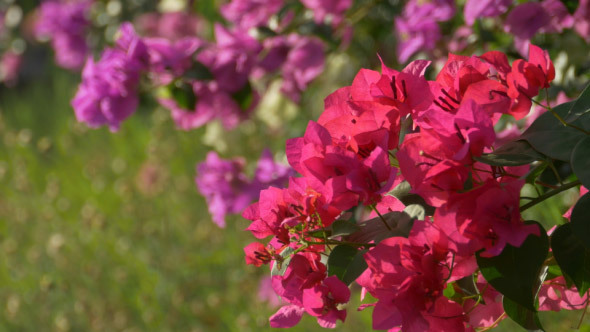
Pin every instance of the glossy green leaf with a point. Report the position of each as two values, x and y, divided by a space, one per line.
343 228
550 137
525 317
347 263
513 153
571 255
581 161
580 106
515 271
580 220
278 269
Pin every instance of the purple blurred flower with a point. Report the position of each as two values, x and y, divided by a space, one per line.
560 17
108 92
168 59
328 9
227 95
224 186
417 29
212 103
303 64
65 23
415 36
247 14
582 19
269 173
227 189
267 294
173 25
524 21
475 9
460 39
231 59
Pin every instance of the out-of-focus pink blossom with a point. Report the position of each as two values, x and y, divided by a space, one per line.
65 23
226 187
328 9
171 25
10 64
304 63
582 19
475 9
247 14
524 21
417 29
108 92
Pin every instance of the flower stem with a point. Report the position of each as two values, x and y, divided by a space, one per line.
548 194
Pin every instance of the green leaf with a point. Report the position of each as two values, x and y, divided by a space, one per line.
244 97
415 211
571 255
278 269
449 291
580 220
529 319
515 153
550 137
580 106
581 161
534 173
515 271
198 71
343 228
401 190
347 263
182 93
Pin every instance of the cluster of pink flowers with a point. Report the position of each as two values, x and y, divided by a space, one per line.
198 80
65 23
387 128
418 28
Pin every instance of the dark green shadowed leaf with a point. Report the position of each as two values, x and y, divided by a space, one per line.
513 153
550 137
580 220
572 257
580 107
244 97
347 263
529 319
581 161
515 272
343 228
198 71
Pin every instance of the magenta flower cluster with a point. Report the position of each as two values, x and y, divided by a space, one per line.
65 23
358 151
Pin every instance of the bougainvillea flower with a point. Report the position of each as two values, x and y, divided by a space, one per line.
475 9
65 23
108 92
582 19
247 14
322 300
322 9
